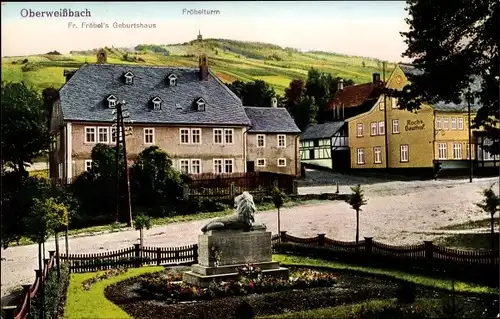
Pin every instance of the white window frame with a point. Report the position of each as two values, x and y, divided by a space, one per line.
94 134
156 104
218 163
184 162
284 162
467 151
193 163
283 136
106 131
457 151
360 156
218 133
442 148
181 135
439 126
445 123
112 131
373 128
228 132
395 126
360 129
192 135
460 123
228 160
149 131
453 123
88 165
381 128
129 79
377 155
263 137
172 81
263 162
404 153
394 102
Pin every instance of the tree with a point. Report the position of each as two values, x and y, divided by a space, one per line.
452 43
317 87
490 204
279 198
155 182
25 134
255 93
18 196
50 96
141 222
356 199
363 64
301 107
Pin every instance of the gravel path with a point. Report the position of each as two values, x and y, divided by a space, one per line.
397 213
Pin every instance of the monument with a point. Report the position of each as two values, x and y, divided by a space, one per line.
233 241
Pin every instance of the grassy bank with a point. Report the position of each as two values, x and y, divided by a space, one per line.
116 227
473 224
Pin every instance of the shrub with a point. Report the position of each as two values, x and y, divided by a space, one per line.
55 294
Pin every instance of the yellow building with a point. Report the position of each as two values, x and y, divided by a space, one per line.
414 141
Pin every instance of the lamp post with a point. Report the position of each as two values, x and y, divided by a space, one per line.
470 135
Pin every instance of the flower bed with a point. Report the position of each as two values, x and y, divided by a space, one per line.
101 276
250 280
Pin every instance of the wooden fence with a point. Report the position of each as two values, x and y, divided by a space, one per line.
228 185
30 291
427 250
134 256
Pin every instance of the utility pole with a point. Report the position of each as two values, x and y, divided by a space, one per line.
386 128
121 133
469 96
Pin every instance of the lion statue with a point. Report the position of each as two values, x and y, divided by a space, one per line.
243 217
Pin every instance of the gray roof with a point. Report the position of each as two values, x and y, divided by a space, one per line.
270 120
450 106
319 131
83 97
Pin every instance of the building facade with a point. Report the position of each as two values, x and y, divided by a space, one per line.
187 112
389 138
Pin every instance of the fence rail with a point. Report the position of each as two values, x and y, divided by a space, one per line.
30 291
135 256
426 250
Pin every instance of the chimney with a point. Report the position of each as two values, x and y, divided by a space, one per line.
376 77
203 68
274 102
340 85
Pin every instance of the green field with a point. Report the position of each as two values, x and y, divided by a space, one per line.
230 60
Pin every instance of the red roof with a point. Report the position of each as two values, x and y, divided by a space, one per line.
355 95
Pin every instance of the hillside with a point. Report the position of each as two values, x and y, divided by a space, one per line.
231 60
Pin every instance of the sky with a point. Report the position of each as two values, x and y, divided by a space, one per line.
363 28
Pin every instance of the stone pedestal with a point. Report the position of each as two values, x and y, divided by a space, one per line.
237 249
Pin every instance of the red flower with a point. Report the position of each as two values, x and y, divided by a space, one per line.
251 285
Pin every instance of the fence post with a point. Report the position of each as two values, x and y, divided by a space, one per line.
158 256
282 236
321 239
185 192
41 288
138 261
429 249
295 187
338 191
233 190
195 253
9 311
368 244
26 291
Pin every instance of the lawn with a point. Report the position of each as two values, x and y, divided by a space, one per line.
473 224
475 241
417 279
232 60
93 303
82 304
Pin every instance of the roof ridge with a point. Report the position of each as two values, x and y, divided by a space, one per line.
141 66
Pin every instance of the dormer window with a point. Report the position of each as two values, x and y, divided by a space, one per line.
172 80
112 101
200 104
156 103
129 77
